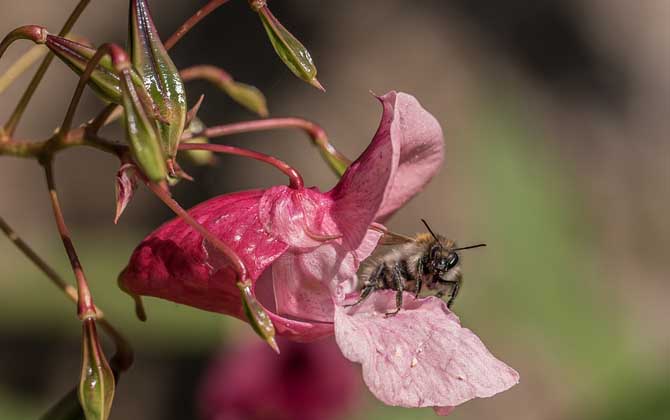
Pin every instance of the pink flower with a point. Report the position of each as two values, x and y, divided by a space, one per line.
306 382
310 244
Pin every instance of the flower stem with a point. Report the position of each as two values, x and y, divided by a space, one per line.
85 307
192 21
293 175
117 55
124 353
22 64
164 195
10 125
337 161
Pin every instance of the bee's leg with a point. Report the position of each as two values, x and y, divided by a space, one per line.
418 281
398 284
453 294
372 283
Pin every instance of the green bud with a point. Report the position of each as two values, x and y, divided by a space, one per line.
197 157
141 131
104 80
256 315
96 386
246 95
159 74
288 48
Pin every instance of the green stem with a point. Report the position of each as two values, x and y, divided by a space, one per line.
85 307
14 119
124 353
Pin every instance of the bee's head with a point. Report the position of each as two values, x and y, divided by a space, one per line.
444 258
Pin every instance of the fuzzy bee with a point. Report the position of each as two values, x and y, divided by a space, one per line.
427 260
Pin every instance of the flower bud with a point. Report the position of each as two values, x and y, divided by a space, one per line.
96 386
197 157
159 74
288 48
256 315
141 131
103 80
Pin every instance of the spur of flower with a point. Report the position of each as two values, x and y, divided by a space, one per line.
302 249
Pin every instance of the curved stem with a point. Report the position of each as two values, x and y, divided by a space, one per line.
14 119
192 21
118 56
234 259
335 159
85 307
22 64
124 353
293 175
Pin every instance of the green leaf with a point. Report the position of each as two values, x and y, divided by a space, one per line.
96 386
159 74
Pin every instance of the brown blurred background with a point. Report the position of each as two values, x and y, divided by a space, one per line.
556 125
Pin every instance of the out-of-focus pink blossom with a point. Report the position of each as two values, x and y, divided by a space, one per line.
306 382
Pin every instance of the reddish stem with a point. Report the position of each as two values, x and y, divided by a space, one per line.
213 74
119 59
295 179
192 21
85 307
315 132
236 262
123 358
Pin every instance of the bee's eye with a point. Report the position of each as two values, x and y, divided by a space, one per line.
452 260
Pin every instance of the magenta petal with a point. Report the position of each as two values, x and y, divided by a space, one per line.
421 357
419 143
175 263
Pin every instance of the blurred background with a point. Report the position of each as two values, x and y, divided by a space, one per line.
555 115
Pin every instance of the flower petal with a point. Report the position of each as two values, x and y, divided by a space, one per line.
307 283
419 144
421 357
176 264
361 190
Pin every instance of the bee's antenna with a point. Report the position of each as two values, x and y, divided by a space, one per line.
469 247
432 233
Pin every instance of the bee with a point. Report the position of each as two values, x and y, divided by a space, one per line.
427 260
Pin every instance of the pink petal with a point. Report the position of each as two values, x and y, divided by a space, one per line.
175 263
419 144
306 283
361 190
421 357
126 185
298 217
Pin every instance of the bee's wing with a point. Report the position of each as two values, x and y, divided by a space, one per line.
391 238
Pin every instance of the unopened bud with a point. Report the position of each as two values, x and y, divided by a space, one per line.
96 386
288 48
257 316
161 77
